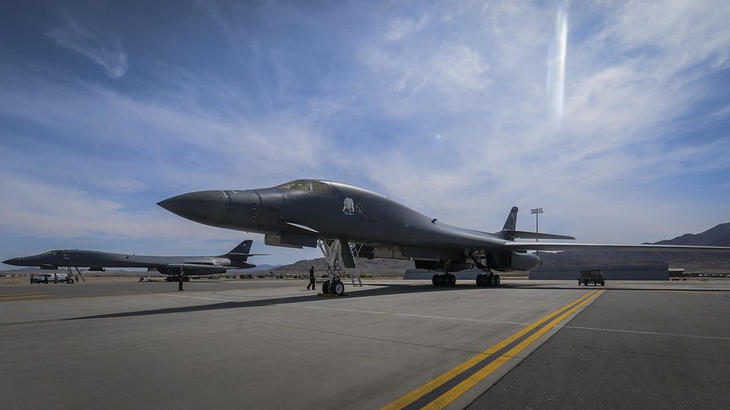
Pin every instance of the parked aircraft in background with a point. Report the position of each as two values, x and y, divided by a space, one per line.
175 267
315 212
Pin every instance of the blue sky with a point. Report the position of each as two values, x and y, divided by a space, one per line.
613 116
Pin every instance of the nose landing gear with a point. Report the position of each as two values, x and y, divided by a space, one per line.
333 287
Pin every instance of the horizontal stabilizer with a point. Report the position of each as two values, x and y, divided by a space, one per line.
195 268
534 235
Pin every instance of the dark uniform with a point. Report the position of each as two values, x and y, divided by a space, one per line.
311 279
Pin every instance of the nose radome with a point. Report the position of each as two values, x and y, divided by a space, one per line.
11 261
207 207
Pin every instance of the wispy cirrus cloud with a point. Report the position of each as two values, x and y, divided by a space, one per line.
96 46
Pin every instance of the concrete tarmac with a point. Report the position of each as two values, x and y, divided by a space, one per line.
648 345
273 344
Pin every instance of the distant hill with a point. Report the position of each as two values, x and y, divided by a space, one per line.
260 268
717 236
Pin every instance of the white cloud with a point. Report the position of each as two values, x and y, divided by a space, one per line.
110 55
683 32
403 27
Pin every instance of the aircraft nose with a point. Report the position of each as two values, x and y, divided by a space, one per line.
12 261
207 207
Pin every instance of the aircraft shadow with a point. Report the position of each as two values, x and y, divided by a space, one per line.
380 290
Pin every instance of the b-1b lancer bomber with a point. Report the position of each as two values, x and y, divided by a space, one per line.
322 213
176 267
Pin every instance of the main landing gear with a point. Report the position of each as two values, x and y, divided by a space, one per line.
488 280
446 279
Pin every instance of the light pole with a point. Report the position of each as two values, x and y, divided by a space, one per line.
537 212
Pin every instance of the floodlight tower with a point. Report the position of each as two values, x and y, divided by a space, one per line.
537 212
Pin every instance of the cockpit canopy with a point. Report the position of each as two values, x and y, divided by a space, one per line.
305 185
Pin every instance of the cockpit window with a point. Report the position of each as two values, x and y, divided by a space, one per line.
320 187
50 253
305 185
299 185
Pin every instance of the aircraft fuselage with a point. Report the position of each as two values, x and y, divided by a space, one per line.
301 212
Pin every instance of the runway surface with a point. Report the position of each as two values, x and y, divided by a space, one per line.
272 344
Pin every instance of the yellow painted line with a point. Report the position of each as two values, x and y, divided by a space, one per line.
461 388
20 296
435 383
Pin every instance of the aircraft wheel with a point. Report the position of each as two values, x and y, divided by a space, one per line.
492 281
482 280
435 280
338 288
451 280
498 280
326 287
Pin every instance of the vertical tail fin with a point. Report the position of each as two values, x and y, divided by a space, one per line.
241 251
510 232
511 223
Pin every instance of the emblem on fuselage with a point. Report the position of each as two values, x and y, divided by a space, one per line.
349 207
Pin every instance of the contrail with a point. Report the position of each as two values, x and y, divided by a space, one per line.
556 64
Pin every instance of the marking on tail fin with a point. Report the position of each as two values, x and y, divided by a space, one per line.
242 249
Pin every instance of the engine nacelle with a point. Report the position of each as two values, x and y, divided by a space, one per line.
441 265
170 270
508 261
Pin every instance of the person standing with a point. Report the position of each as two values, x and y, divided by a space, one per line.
311 279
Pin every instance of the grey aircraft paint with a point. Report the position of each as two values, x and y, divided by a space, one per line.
169 265
299 213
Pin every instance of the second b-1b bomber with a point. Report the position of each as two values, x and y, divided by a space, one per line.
178 268
312 213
